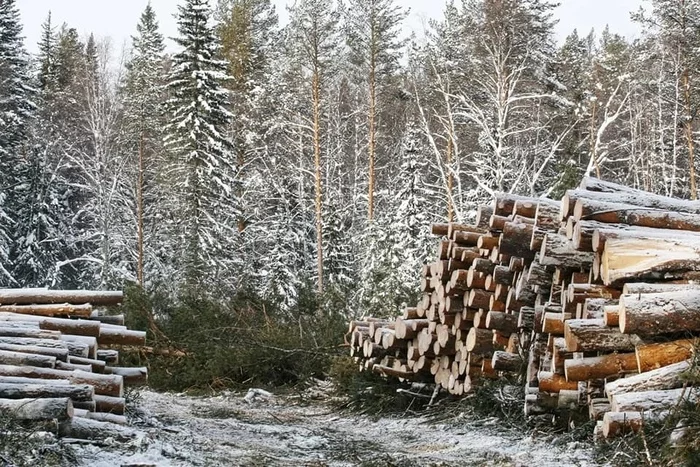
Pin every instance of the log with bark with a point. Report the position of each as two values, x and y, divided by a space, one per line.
633 259
667 377
39 389
604 366
46 296
84 428
56 408
108 385
60 309
652 356
651 401
660 313
592 334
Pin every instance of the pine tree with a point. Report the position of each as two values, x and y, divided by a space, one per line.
374 29
143 123
314 32
202 169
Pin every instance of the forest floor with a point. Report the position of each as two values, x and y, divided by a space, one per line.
304 430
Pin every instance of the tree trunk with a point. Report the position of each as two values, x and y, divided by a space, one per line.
56 353
114 336
504 361
591 334
83 311
668 377
558 251
651 401
316 93
59 408
652 356
140 215
45 296
83 428
620 423
660 313
633 259
552 382
108 404
639 198
608 232
108 385
74 348
584 369
21 358
40 390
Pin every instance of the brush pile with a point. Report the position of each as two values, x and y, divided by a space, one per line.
591 300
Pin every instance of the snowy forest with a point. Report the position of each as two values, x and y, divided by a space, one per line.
312 157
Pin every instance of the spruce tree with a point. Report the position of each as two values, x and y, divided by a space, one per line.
202 170
16 112
143 122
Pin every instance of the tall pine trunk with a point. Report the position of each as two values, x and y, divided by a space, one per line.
372 118
139 215
316 85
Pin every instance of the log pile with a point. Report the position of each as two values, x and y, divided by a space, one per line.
591 300
59 360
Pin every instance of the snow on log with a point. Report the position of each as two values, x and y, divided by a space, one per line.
58 353
668 377
108 385
76 327
634 215
607 232
41 390
58 408
8 357
592 334
660 313
45 296
638 198
644 288
651 401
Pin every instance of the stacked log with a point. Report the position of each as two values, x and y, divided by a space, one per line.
59 359
590 300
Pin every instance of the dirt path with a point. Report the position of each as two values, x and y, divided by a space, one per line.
228 431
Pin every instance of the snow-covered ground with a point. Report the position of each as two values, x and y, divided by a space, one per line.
226 430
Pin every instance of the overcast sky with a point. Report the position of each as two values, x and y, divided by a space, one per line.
117 18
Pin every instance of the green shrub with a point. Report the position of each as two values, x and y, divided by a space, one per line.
243 342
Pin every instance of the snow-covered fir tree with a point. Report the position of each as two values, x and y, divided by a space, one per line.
201 169
17 109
